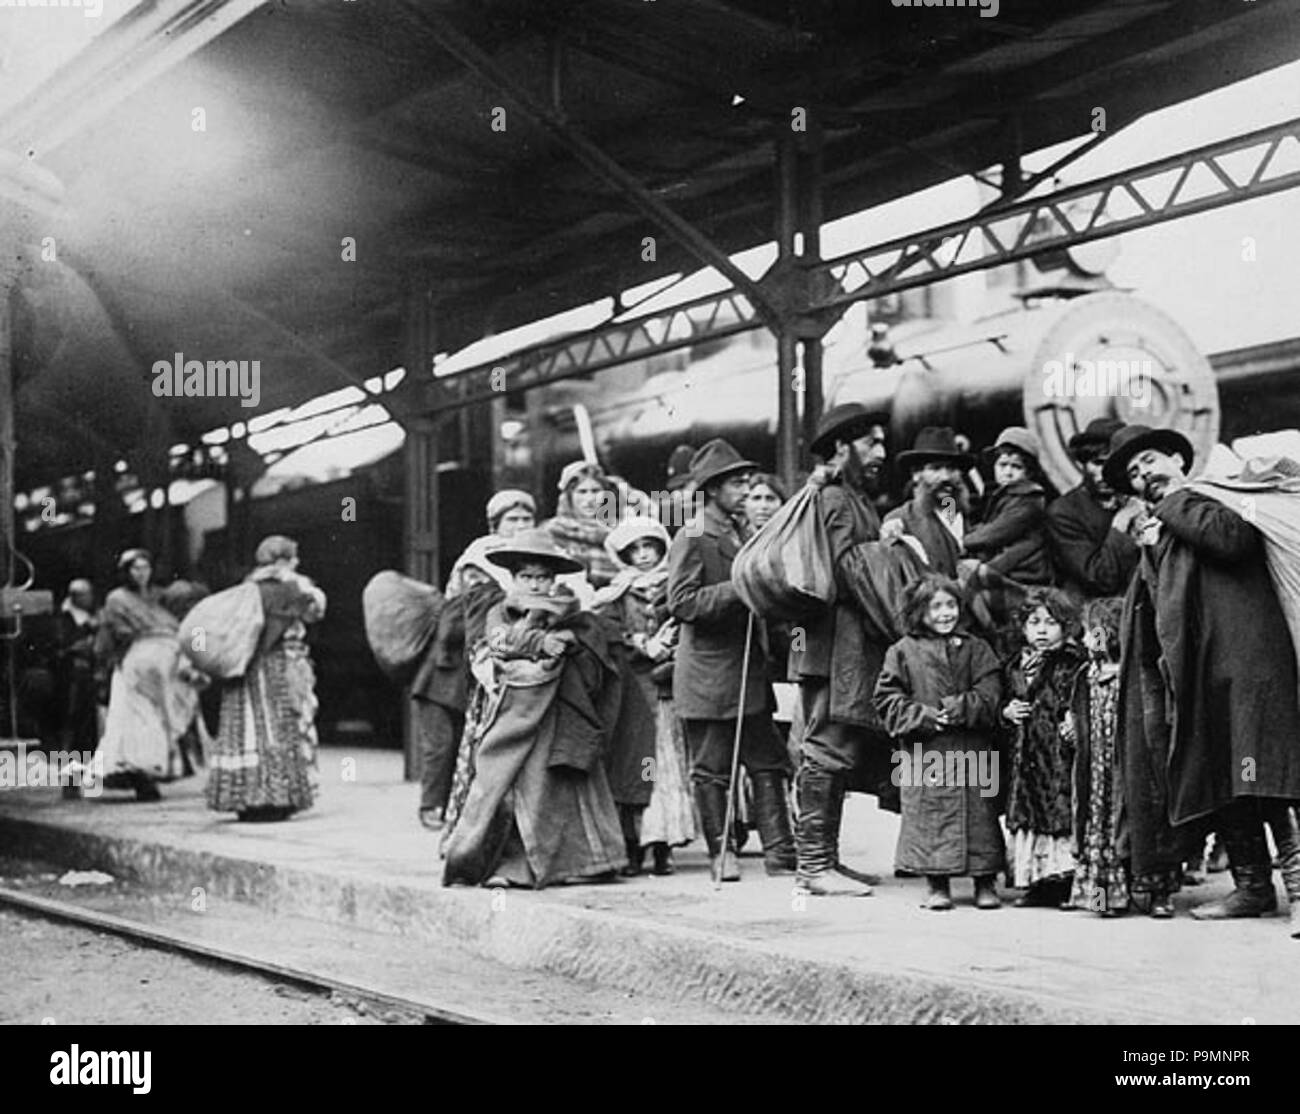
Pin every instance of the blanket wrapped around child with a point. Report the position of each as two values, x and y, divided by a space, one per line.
539 809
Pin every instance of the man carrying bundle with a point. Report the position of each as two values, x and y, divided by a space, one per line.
832 660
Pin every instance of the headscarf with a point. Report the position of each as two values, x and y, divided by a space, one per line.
508 500
629 577
275 547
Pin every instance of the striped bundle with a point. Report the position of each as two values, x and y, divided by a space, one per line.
784 571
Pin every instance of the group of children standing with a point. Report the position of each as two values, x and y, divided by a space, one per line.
1043 721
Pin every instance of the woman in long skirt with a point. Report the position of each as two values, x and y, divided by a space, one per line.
265 749
152 699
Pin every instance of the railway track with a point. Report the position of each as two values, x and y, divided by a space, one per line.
433 1013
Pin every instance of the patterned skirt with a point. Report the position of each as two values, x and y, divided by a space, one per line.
265 751
1101 878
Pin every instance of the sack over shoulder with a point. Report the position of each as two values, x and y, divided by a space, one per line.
401 618
784 571
219 634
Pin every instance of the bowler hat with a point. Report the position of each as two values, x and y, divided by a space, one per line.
534 545
934 445
846 422
1133 439
1015 437
1096 434
715 459
679 467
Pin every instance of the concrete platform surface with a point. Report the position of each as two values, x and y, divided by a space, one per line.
755 948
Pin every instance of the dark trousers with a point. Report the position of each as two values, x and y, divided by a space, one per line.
827 745
711 741
438 730
860 754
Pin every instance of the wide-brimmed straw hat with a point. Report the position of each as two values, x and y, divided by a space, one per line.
1133 439
846 422
534 545
1017 438
934 445
715 459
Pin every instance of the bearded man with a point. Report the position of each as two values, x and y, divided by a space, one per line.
832 660
939 508
1208 730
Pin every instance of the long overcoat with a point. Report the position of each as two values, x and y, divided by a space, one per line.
711 650
947 828
834 643
1090 557
1202 617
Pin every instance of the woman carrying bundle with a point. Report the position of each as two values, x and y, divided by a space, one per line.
266 744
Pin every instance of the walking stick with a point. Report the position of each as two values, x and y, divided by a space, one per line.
735 753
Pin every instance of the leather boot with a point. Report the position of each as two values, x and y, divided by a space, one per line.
1286 834
772 818
711 800
821 798
627 819
1250 865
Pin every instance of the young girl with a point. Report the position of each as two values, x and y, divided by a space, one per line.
1100 878
637 602
938 696
1040 680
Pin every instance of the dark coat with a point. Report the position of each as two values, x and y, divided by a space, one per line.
443 676
710 654
1202 617
1012 539
946 828
1090 557
935 538
1041 773
834 642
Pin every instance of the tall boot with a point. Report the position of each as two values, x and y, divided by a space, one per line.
628 817
711 799
1286 834
1248 861
821 797
773 821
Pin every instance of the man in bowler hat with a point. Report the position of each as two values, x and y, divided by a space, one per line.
1209 727
710 662
1089 527
938 512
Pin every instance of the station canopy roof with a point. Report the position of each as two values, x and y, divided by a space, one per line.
209 158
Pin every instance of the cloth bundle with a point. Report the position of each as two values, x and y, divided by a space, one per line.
784 571
219 634
1266 493
401 618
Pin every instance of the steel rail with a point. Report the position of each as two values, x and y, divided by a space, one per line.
150 936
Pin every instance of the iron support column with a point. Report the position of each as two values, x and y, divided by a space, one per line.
787 418
8 541
810 221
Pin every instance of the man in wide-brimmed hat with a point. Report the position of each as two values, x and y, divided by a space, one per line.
1208 728
710 662
1089 528
939 509
831 659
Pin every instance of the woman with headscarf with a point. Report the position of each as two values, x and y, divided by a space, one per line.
153 691
443 688
266 744
588 508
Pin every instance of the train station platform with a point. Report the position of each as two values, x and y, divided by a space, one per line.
755 949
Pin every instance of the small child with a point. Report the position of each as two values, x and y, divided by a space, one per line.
1040 680
637 602
1012 538
1101 877
938 695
